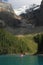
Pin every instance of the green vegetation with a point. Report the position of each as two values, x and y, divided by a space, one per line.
39 40
12 44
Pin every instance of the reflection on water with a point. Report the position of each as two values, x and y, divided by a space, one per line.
40 60
17 60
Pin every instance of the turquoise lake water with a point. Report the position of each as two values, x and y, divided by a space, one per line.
17 60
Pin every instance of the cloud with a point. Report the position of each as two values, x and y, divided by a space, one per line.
20 10
19 3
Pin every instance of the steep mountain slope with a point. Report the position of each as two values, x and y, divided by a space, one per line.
7 15
34 17
41 14
24 24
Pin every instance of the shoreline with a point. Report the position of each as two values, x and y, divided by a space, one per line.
21 55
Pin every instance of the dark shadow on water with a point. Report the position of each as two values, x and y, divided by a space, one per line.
40 60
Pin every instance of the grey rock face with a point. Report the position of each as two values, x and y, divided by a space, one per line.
41 14
2 24
6 7
7 14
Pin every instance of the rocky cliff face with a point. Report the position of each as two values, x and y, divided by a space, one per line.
38 15
41 14
6 7
7 15
25 23
35 16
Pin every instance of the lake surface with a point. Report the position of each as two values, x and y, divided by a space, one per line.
17 60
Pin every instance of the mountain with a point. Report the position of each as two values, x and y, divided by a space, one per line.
31 14
34 15
6 7
41 14
7 15
21 10
21 34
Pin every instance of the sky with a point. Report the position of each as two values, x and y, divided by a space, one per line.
19 3
20 6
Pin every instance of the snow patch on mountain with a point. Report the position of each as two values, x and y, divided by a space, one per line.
21 10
